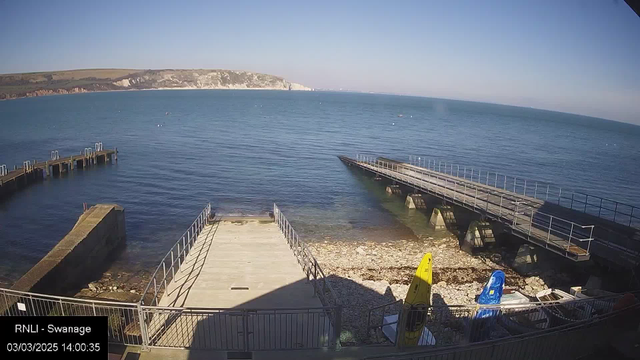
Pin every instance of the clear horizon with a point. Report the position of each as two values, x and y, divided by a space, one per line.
575 57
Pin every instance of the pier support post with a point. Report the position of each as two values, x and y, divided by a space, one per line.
479 235
71 163
415 201
116 154
442 217
394 190
526 259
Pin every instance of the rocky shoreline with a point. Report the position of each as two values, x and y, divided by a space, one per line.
117 286
368 274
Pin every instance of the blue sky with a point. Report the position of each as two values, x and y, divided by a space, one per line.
578 56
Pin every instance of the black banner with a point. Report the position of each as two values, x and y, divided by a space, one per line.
42 337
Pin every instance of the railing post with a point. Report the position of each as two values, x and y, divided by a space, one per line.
559 195
549 233
179 263
525 187
547 196
245 329
164 271
590 239
515 214
337 327
475 199
586 201
143 328
615 212
570 234
600 208
530 223
572 195
173 271
155 290
535 191
515 181
401 325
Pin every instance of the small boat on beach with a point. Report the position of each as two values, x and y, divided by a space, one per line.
560 313
521 320
485 318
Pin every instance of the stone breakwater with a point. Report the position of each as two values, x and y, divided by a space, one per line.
366 274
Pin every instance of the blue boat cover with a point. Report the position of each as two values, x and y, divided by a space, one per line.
491 294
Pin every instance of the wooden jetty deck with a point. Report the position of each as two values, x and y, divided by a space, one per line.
564 231
33 170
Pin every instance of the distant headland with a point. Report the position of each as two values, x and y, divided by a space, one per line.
14 86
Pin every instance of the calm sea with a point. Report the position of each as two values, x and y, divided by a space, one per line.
244 150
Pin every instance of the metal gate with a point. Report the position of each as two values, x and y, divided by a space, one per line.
241 329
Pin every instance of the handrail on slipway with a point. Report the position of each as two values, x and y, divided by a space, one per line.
174 258
310 266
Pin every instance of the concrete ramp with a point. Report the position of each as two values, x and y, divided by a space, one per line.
239 288
240 263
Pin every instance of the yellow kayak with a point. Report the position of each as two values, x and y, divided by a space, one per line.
418 300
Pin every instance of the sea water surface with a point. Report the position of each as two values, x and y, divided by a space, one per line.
244 150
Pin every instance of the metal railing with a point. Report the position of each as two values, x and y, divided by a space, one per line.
321 285
242 329
281 329
307 261
171 262
123 318
562 236
451 325
205 328
568 341
201 328
612 210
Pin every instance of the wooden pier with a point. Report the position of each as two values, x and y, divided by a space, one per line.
568 232
32 171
